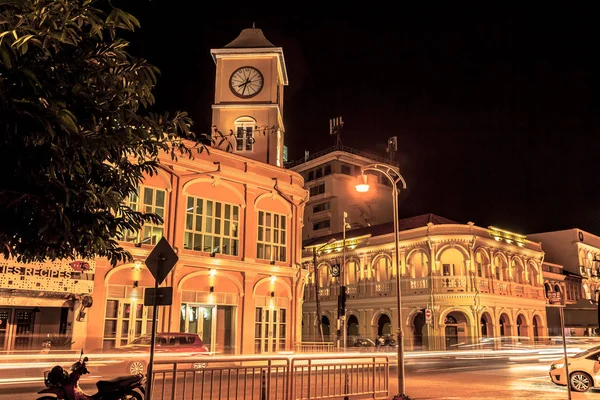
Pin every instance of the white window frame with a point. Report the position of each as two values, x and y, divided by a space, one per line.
149 233
271 236
244 134
222 228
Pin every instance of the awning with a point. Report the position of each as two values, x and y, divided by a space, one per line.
583 314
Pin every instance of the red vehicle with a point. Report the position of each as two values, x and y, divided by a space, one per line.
167 343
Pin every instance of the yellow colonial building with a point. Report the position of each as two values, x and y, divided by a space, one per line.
477 282
233 216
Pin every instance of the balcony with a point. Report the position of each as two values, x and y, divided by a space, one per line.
422 286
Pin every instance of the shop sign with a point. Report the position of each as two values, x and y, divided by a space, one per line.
48 277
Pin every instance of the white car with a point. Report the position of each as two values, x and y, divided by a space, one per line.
584 371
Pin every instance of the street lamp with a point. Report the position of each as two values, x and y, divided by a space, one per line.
316 272
394 176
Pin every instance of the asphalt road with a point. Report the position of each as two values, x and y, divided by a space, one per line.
447 378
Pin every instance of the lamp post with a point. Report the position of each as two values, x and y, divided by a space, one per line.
342 302
394 177
316 272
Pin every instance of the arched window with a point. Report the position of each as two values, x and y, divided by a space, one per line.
532 274
518 271
244 133
324 275
352 272
480 265
453 262
383 269
419 265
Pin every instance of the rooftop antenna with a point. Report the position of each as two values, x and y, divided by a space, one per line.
335 128
253 25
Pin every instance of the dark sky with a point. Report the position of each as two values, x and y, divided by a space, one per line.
496 110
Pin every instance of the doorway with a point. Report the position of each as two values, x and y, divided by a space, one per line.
451 332
270 329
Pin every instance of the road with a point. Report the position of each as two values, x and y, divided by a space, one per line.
450 378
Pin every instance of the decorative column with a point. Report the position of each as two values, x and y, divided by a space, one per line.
248 314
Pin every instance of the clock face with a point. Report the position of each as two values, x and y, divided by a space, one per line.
246 82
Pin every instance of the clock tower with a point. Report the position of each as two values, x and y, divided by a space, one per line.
248 107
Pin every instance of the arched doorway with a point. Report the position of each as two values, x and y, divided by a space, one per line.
419 324
326 326
352 329
536 327
451 332
384 325
504 325
485 325
456 330
521 326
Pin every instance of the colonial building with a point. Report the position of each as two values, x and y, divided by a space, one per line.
477 282
577 253
233 216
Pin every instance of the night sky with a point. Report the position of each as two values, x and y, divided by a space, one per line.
496 109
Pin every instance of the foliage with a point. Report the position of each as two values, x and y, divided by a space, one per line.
76 132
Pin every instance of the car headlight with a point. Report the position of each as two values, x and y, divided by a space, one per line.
557 365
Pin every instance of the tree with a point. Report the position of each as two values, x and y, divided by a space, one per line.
76 131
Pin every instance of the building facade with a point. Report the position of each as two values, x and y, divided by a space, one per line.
330 177
233 216
477 282
577 253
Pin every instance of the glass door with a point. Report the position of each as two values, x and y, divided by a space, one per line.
269 330
124 322
199 319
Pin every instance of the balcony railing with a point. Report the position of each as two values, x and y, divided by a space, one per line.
423 285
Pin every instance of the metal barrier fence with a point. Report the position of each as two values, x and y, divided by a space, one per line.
315 347
274 377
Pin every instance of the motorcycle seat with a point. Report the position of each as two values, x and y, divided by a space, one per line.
117 383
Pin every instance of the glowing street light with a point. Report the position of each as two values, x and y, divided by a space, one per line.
394 176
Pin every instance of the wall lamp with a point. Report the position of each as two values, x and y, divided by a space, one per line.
136 283
212 289
272 262
272 294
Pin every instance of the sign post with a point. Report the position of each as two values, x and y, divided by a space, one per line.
159 262
555 299
428 316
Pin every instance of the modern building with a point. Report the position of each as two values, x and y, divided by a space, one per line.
477 282
578 253
330 176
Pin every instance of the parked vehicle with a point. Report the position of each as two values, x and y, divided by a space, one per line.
386 341
584 370
65 386
138 351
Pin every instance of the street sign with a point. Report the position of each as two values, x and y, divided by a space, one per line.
161 260
164 296
428 316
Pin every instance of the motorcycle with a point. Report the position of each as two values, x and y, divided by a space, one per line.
65 386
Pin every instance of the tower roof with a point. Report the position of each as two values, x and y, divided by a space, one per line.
250 37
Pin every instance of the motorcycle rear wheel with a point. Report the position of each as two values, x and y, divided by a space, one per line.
133 395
